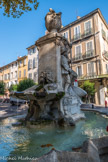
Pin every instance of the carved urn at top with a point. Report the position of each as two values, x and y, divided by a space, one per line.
53 21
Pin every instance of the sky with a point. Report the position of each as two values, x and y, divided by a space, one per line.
16 34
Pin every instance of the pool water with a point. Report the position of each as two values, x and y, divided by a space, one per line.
26 142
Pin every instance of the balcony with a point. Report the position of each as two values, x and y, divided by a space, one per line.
103 34
91 75
80 76
88 54
76 37
87 32
78 57
105 55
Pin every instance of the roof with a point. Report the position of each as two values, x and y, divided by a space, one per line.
20 58
8 64
32 46
84 17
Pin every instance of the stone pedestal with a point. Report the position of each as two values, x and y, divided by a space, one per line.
50 59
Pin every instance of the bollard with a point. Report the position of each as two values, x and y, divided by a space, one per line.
105 103
107 128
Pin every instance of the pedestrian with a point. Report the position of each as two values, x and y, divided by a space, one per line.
105 103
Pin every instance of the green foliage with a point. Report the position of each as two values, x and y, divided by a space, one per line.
2 87
16 8
13 87
60 95
88 87
24 84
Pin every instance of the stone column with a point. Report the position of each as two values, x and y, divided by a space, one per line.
97 95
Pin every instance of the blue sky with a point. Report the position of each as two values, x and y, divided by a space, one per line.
17 34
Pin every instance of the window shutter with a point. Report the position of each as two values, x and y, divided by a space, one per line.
30 63
77 70
89 68
92 67
78 29
34 63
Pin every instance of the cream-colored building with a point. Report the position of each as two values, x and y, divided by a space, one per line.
33 63
89 53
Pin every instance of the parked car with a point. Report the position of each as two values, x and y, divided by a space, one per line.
15 101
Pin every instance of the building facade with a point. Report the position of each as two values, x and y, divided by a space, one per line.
33 63
8 74
22 68
89 53
14 72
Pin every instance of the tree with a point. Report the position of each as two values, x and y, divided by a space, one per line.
2 87
24 84
16 8
89 88
13 87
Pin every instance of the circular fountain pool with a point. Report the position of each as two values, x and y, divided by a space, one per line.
18 142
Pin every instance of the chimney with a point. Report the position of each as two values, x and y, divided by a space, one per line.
78 17
18 57
46 32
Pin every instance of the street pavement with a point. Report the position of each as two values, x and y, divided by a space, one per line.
95 108
6 110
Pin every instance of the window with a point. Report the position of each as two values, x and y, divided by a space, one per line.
106 68
5 76
88 27
107 36
11 75
35 76
77 32
24 62
91 68
66 35
20 63
30 64
34 62
34 50
104 47
30 75
78 51
8 76
15 74
16 64
24 72
101 26
79 71
89 48
29 52
19 74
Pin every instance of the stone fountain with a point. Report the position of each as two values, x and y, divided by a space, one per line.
55 97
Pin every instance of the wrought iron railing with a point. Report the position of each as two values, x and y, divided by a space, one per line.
77 37
77 57
105 54
88 54
93 74
103 34
87 32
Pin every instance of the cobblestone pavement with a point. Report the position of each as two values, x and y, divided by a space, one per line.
6 110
